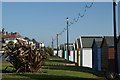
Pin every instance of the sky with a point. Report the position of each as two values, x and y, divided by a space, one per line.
43 20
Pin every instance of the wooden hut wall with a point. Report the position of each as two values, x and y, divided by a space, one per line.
94 56
65 54
55 52
107 54
76 56
60 53
104 56
87 57
111 59
99 59
71 57
118 48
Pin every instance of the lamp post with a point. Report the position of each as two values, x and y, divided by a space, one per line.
57 44
115 36
52 43
67 39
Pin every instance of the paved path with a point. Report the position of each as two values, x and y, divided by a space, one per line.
55 61
60 64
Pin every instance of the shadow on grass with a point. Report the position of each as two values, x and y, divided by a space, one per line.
58 61
46 77
77 68
7 71
55 77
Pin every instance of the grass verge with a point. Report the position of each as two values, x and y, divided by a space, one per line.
50 72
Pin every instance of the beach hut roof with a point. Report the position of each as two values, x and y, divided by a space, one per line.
109 40
98 43
88 41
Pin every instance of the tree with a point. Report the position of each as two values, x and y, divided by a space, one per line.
10 43
3 30
34 41
49 50
26 38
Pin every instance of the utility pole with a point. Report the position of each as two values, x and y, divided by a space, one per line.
57 44
67 39
52 43
115 36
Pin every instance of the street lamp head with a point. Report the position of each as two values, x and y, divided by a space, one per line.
67 19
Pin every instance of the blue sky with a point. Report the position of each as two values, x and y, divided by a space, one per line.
43 20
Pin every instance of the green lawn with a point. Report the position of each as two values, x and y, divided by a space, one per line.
56 60
50 72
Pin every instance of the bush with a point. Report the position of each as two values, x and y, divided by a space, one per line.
24 58
49 51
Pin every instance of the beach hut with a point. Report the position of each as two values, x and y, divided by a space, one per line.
96 55
77 51
107 54
72 53
55 52
65 53
61 51
69 56
85 50
118 48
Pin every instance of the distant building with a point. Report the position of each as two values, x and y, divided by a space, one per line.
22 40
10 37
42 45
31 42
5 37
39 45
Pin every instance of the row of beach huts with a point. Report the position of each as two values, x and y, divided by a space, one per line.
96 52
